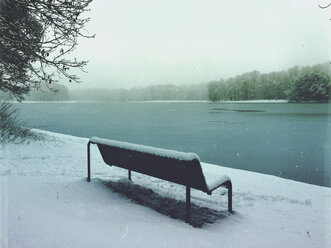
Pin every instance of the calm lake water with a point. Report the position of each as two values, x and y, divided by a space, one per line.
282 139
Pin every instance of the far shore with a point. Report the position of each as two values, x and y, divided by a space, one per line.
167 101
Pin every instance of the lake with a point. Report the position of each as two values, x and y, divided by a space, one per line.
282 139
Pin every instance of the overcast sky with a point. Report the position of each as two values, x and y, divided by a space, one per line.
144 42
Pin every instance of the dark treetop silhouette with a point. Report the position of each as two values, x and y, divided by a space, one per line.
36 37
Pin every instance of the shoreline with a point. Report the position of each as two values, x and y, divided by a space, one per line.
161 101
230 169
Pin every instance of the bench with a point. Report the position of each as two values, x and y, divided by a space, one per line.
177 167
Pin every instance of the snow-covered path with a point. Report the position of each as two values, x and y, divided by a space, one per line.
45 201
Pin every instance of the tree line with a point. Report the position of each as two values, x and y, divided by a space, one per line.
149 93
57 92
60 92
297 84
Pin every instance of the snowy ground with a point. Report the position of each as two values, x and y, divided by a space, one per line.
46 202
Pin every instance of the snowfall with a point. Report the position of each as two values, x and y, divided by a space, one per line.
45 201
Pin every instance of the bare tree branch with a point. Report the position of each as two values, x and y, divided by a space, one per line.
324 7
36 37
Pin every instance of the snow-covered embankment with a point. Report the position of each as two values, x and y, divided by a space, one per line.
45 201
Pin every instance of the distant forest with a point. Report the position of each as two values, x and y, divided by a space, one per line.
149 93
53 92
297 84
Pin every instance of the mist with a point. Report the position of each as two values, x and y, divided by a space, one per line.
141 43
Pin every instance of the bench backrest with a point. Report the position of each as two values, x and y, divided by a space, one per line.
173 166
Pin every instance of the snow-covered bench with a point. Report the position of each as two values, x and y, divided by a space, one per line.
177 167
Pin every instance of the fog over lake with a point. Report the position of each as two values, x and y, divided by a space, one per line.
148 42
282 139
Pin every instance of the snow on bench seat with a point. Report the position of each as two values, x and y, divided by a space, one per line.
213 181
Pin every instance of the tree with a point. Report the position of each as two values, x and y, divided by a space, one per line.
312 86
214 91
36 37
11 129
44 94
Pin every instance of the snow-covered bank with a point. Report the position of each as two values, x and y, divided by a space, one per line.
52 101
207 101
171 101
46 202
257 101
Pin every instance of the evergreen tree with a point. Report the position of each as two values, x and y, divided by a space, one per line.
313 86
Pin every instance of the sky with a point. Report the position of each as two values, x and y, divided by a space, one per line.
148 42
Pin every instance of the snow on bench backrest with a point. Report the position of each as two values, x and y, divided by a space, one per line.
174 166
147 149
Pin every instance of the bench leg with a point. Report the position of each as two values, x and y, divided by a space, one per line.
228 185
88 162
129 175
188 204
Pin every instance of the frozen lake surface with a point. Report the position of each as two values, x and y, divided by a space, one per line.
282 139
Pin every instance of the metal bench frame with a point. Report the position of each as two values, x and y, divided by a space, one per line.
227 185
